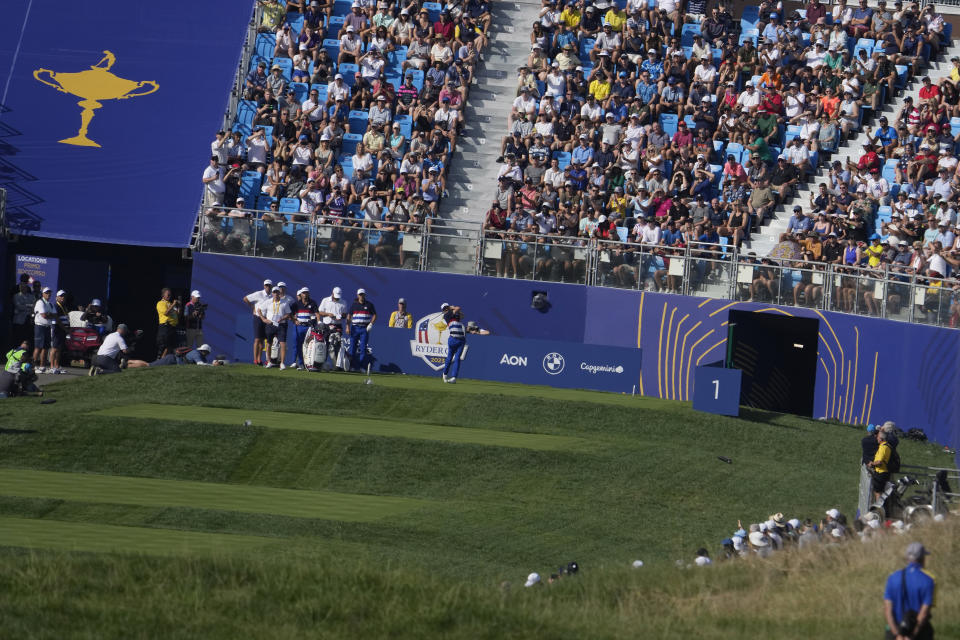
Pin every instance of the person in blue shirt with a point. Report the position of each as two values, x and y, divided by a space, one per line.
455 343
884 136
360 319
652 65
583 153
910 589
578 176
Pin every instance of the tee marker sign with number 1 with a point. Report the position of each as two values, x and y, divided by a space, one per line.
717 390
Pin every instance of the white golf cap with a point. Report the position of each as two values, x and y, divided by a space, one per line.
268 281
281 284
204 347
61 293
532 579
444 306
195 294
46 290
96 302
361 291
337 292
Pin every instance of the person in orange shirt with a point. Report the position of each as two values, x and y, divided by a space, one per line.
829 104
771 78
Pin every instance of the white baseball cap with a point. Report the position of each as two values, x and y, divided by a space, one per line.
281 284
96 302
204 347
46 290
337 292
195 294
532 579
61 293
361 291
268 281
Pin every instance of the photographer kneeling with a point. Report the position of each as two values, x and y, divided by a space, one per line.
110 353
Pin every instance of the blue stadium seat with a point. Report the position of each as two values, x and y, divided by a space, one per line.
792 132
864 44
889 170
358 122
295 20
245 111
289 205
350 142
285 64
336 23
669 123
349 73
586 45
347 163
686 34
321 91
901 76
342 8
690 123
563 159
264 201
433 8
266 43
417 75
333 48
300 90
243 128
406 125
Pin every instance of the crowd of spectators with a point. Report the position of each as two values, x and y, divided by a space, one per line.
351 114
680 125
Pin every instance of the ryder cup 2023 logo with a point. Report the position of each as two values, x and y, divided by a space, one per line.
431 342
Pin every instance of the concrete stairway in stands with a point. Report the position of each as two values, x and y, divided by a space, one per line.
473 171
472 179
768 236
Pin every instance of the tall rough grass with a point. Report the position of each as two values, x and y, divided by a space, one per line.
833 591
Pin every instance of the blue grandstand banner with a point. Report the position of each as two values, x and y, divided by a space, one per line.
107 114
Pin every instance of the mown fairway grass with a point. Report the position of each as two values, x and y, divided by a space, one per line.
621 478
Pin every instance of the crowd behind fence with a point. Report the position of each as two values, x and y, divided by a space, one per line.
700 269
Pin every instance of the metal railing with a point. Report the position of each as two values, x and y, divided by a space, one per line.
699 270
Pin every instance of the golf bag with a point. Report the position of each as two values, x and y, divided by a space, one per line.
325 341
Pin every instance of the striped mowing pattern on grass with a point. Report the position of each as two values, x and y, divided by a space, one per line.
84 536
82 487
346 425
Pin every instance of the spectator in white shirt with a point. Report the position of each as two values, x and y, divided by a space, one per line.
213 186
44 317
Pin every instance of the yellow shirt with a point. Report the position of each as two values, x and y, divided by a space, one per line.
570 17
162 318
600 89
955 74
616 19
873 254
882 457
395 320
617 204
273 15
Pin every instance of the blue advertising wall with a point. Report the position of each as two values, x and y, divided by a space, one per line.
869 370
142 184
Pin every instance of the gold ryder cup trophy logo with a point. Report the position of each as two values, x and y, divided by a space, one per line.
94 84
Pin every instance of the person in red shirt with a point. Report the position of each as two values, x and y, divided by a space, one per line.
869 160
683 136
444 27
924 163
929 90
815 11
772 101
734 170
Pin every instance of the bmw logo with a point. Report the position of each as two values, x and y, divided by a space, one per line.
553 363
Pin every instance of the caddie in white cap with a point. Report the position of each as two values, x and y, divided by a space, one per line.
360 319
304 311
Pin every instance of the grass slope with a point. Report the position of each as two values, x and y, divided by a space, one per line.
646 484
178 493
346 425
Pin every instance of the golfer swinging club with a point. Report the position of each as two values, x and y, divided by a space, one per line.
455 343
